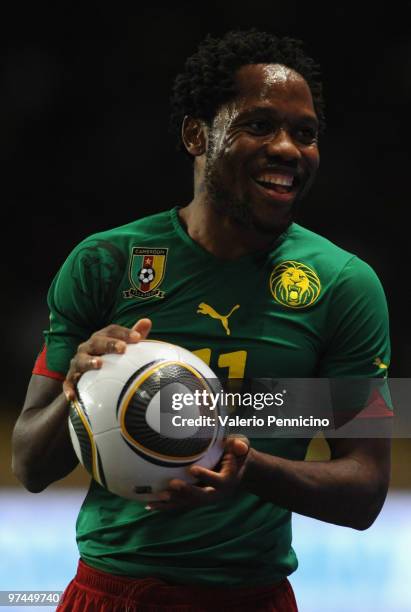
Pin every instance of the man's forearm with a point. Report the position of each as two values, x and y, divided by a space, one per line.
42 450
341 491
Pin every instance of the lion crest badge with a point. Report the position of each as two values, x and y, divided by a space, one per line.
294 284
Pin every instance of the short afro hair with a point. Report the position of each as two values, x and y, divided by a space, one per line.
208 78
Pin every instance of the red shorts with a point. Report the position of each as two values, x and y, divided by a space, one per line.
95 591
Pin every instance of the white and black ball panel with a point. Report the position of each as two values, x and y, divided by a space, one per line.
145 477
95 399
161 421
82 435
80 440
84 441
132 410
153 350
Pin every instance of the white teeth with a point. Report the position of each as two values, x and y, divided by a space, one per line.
277 179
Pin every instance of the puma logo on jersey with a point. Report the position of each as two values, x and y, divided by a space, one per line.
377 361
205 309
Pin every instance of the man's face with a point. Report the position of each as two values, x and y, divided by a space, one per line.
262 152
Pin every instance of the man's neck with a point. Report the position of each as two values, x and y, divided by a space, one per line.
219 234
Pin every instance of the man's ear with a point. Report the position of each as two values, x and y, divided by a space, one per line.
193 134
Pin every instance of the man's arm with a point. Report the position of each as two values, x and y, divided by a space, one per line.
349 489
42 449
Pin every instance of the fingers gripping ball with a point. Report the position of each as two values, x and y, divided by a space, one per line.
123 424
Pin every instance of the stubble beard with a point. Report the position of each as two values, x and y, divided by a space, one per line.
240 211
225 204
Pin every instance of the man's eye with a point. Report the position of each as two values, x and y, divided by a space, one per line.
307 135
259 126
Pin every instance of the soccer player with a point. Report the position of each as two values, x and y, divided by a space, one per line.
233 278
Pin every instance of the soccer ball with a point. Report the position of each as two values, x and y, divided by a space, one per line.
146 275
129 431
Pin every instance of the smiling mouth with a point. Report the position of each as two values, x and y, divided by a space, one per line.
275 187
281 184
278 192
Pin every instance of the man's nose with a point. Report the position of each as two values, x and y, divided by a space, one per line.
282 145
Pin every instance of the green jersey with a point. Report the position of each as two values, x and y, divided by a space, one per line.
306 308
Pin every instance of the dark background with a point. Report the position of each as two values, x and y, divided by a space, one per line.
85 143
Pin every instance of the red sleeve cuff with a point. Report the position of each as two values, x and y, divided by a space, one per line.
376 407
40 367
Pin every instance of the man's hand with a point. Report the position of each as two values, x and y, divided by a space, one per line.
213 486
111 339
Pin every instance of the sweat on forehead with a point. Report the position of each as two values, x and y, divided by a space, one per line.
260 77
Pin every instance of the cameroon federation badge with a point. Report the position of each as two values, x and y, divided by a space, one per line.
294 284
146 272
